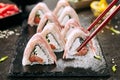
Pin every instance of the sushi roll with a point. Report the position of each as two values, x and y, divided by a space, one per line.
36 14
38 51
55 39
67 14
60 7
70 26
74 40
48 18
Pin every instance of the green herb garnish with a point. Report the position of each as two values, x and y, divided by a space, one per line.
114 68
114 30
97 57
3 58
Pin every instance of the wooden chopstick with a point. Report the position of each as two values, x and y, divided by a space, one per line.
99 28
102 14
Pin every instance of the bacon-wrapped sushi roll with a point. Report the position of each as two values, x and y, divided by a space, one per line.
70 26
60 7
48 18
67 14
74 40
38 51
36 14
52 33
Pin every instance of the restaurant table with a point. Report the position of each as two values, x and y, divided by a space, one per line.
109 42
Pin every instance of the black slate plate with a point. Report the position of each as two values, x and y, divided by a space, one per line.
17 70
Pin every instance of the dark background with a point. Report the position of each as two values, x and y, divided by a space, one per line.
110 43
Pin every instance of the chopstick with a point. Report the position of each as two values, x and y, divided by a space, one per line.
102 14
99 28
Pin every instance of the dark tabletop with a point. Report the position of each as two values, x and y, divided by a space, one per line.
109 42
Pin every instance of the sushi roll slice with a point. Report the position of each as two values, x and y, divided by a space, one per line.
36 14
67 14
55 39
70 26
74 40
48 18
60 7
38 51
